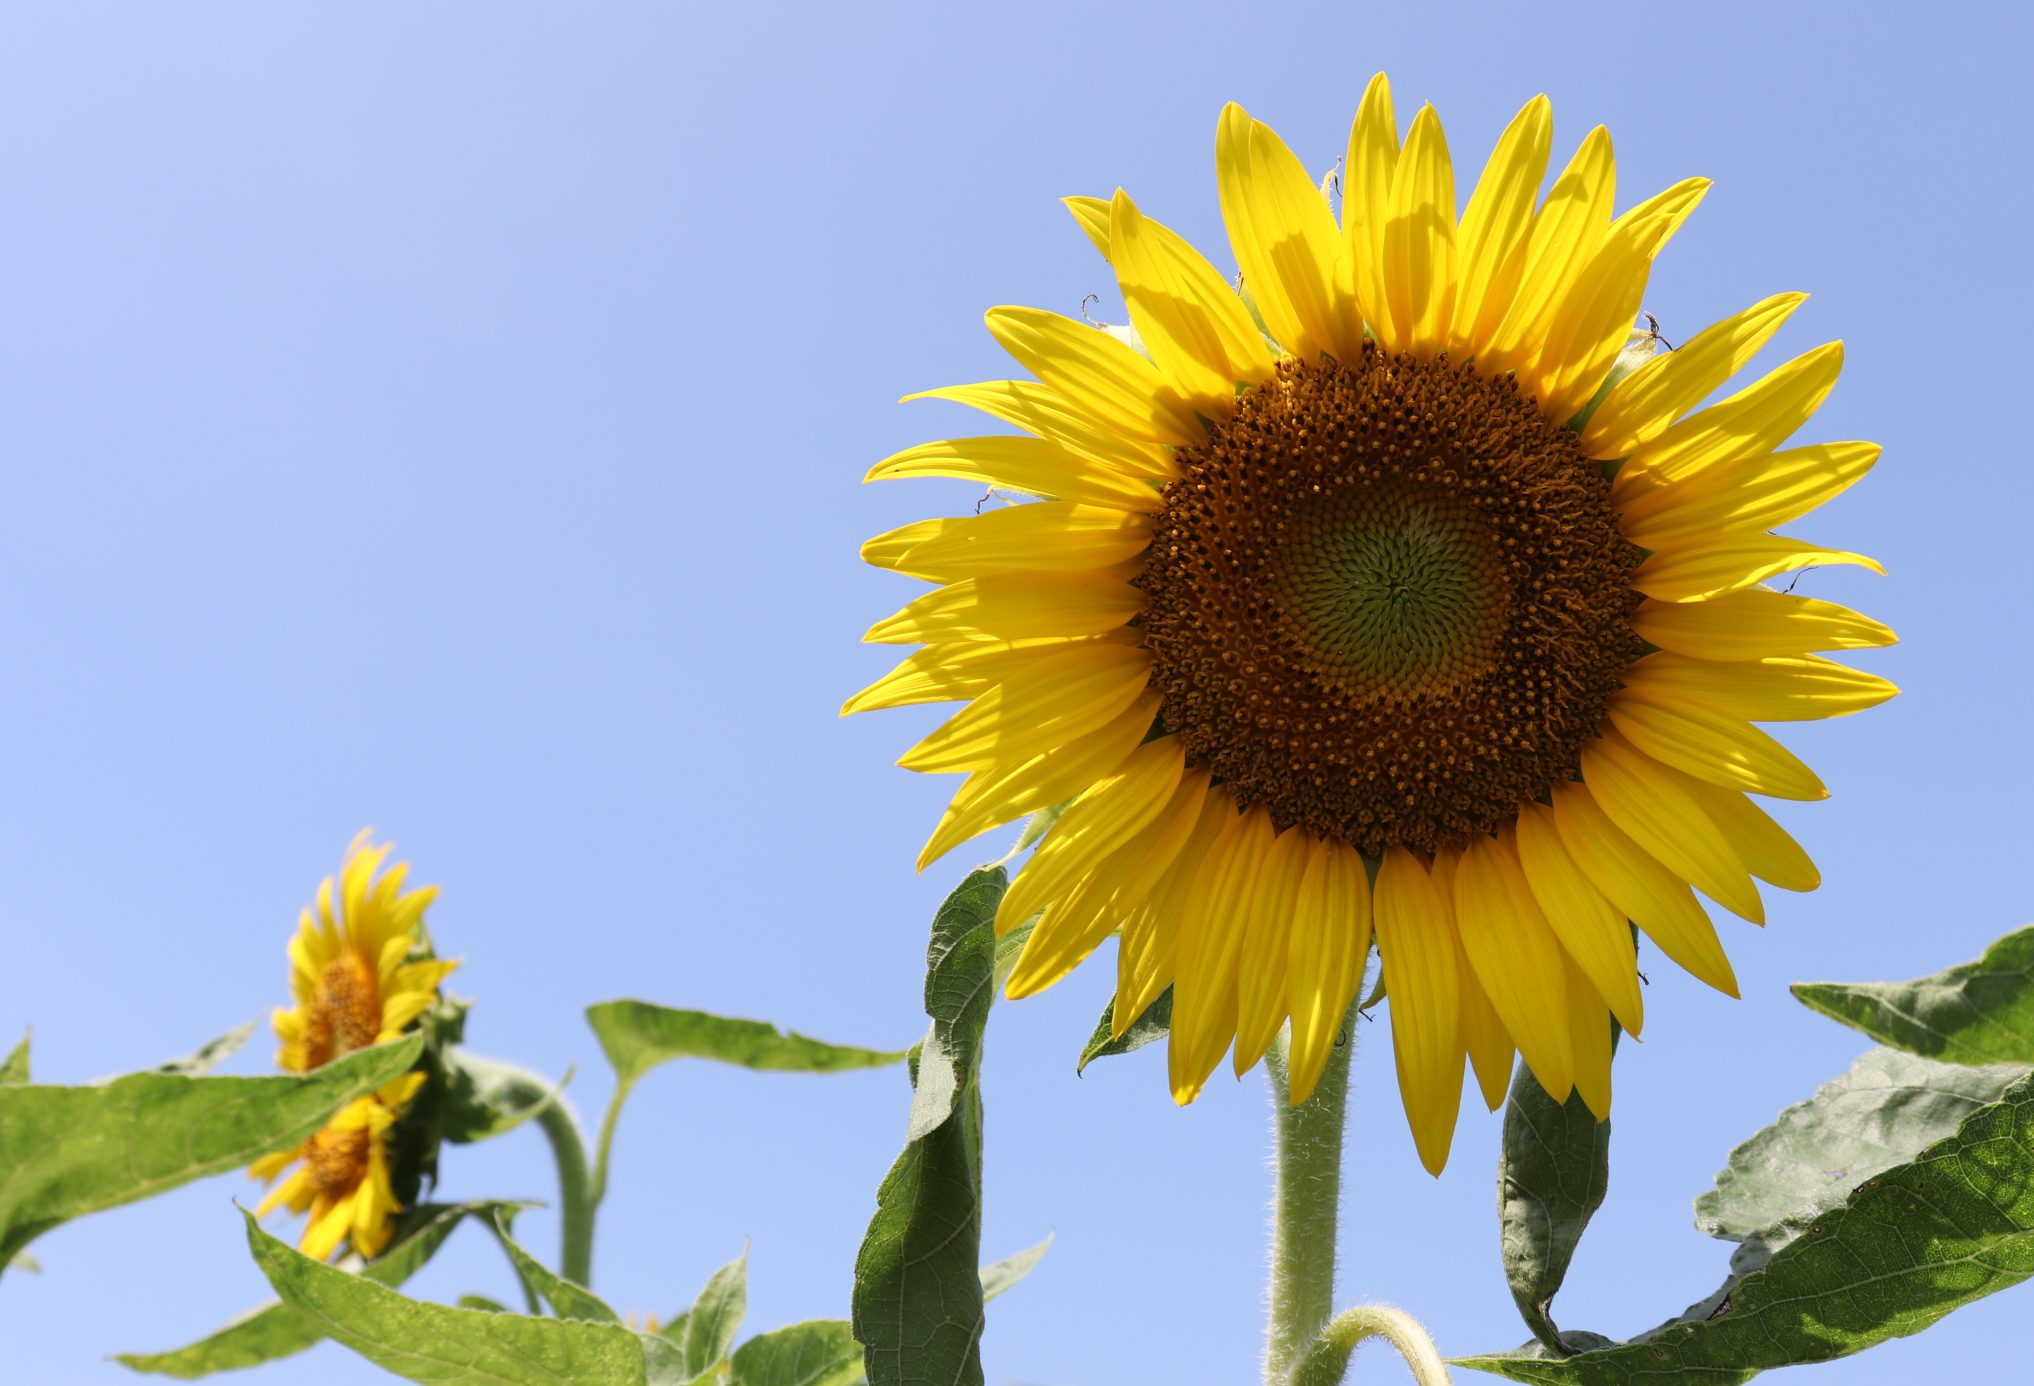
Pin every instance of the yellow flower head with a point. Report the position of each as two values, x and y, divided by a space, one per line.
342 1178
349 970
1403 592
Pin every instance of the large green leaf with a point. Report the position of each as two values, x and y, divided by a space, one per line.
275 1330
918 1289
1552 1173
1979 1013
65 1152
821 1353
490 1097
568 1299
1908 1246
436 1343
1152 1026
705 1333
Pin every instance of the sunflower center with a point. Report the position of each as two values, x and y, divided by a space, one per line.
337 1160
345 1014
1389 601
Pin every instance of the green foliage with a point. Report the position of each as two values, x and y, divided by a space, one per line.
206 1056
1011 1269
821 1353
1908 1246
66 1151
918 1289
437 1343
1979 1013
14 1068
488 1097
275 1330
567 1299
705 1333
1152 1026
483 1303
1552 1173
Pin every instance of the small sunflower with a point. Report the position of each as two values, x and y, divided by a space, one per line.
343 1181
361 975
1403 591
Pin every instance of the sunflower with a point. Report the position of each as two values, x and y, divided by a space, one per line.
360 976
1403 591
343 1181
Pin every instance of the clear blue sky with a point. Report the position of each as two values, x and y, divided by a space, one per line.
450 418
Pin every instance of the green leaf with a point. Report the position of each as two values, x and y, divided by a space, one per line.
1908 1246
1979 1013
705 1333
567 1299
821 1353
65 1152
14 1068
483 1303
275 1330
436 1343
1148 1028
490 1097
637 1036
1552 1172
207 1056
918 1289
1011 1269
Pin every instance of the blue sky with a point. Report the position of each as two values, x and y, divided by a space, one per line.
451 418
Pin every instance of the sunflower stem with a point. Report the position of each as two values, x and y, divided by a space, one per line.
1328 1363
575 1191
1305 1208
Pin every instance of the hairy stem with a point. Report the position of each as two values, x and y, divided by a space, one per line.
1306 1203
1328 1362
575 1190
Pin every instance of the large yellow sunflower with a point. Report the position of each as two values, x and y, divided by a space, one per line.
1384 597
361 975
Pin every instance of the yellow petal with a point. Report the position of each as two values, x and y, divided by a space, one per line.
1746 494
1262 972
1637 795
1211 927
1419 240
1589 1037
1496 226
1151 934
1366 204
1416 941
1566 232
1515 958
1095 826
1491 1051
1732 562
1283 236
1007 607
1765 848
1779 688
1194 325
999 795
1755 420
1047 536
1593 932
1097 375
326 1230
1756 622
1092 214
1330 942
1716 747
946 673
1063 696
1645 403
1034 466
1650 895
1040 410
1116 890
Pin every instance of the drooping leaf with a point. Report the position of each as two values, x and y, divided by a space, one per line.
567 1299
637 1036
1908 1246
1978 1013
436 1343
14 1068
483 1303
274 1330
705 1333
1149 1028
1552 1173
821 1353
918 1289
1011 1269
489 1097
206 1056
65 1151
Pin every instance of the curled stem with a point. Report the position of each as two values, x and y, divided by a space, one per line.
1327 1362
576 1198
